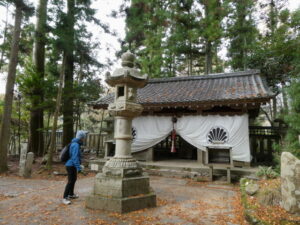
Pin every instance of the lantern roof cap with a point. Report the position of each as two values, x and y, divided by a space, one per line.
127 74
128 59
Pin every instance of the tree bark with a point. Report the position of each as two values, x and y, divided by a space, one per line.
100 133
208 57
9 93
4 37
36 139
272 17
274 106
68 99
284 98
267 116
55 117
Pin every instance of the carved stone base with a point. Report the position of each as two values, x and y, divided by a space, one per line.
121 205
119 194
129 162
122 167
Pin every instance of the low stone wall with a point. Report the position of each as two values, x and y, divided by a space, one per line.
146 155
290 184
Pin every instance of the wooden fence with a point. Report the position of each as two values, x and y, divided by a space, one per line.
262 140
93 142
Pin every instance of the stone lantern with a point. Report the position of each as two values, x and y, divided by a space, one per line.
122 186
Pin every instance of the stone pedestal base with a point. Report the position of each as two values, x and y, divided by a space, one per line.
121 194
121 205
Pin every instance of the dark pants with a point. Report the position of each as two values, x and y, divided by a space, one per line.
72 177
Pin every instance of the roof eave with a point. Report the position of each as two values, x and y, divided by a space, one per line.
212 103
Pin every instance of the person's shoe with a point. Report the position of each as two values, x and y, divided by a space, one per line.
73 196
66 201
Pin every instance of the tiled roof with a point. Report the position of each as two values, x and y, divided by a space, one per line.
237 87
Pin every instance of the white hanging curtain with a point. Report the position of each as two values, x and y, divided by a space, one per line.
195 129
150 130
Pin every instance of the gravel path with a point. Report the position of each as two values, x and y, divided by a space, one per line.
28 201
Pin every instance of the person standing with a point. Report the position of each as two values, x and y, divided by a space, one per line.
73 166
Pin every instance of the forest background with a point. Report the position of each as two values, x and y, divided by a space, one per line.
54 54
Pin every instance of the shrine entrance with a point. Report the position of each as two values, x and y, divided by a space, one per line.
184 150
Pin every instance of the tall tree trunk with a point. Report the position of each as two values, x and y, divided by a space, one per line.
19 124
241 18
4 37
190 59
55 117
274 106
208 57
244 54
48 139
100 132
284 98
36 140
9 93
273 17
77 104
68 99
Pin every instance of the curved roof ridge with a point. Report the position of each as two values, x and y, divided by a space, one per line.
209 76
222 89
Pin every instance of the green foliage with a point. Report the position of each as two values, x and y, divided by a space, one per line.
276 51
292 50
136 23
30 78
293 119
241 31
266 172
169 37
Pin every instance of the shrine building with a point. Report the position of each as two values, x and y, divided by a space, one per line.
204 119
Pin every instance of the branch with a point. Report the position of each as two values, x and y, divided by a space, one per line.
267 115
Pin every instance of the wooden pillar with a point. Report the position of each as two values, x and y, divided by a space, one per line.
228 175
270 149
200 156
261 149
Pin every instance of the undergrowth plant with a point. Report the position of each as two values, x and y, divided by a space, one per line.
266 172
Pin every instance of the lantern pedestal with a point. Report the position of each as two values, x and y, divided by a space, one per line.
122 186
121 194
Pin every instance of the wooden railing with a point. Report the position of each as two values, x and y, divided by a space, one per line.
93 142
262 141
264 131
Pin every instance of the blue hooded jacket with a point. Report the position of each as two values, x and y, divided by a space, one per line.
75 155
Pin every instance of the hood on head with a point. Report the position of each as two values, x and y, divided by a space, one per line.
81 134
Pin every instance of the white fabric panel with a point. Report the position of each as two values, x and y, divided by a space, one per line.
194 130
150 130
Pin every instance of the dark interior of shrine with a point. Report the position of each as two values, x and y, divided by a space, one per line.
184 150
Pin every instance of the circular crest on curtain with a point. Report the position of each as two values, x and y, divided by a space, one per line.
217 135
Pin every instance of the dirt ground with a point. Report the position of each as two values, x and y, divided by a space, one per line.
179 201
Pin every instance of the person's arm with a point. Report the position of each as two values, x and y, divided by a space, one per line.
75 156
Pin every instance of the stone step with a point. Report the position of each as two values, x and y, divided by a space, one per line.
196 172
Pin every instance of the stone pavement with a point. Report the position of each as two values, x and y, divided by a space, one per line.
180 201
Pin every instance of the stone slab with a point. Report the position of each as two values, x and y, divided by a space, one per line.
121 205
290 182
146 155
121 187
28 164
